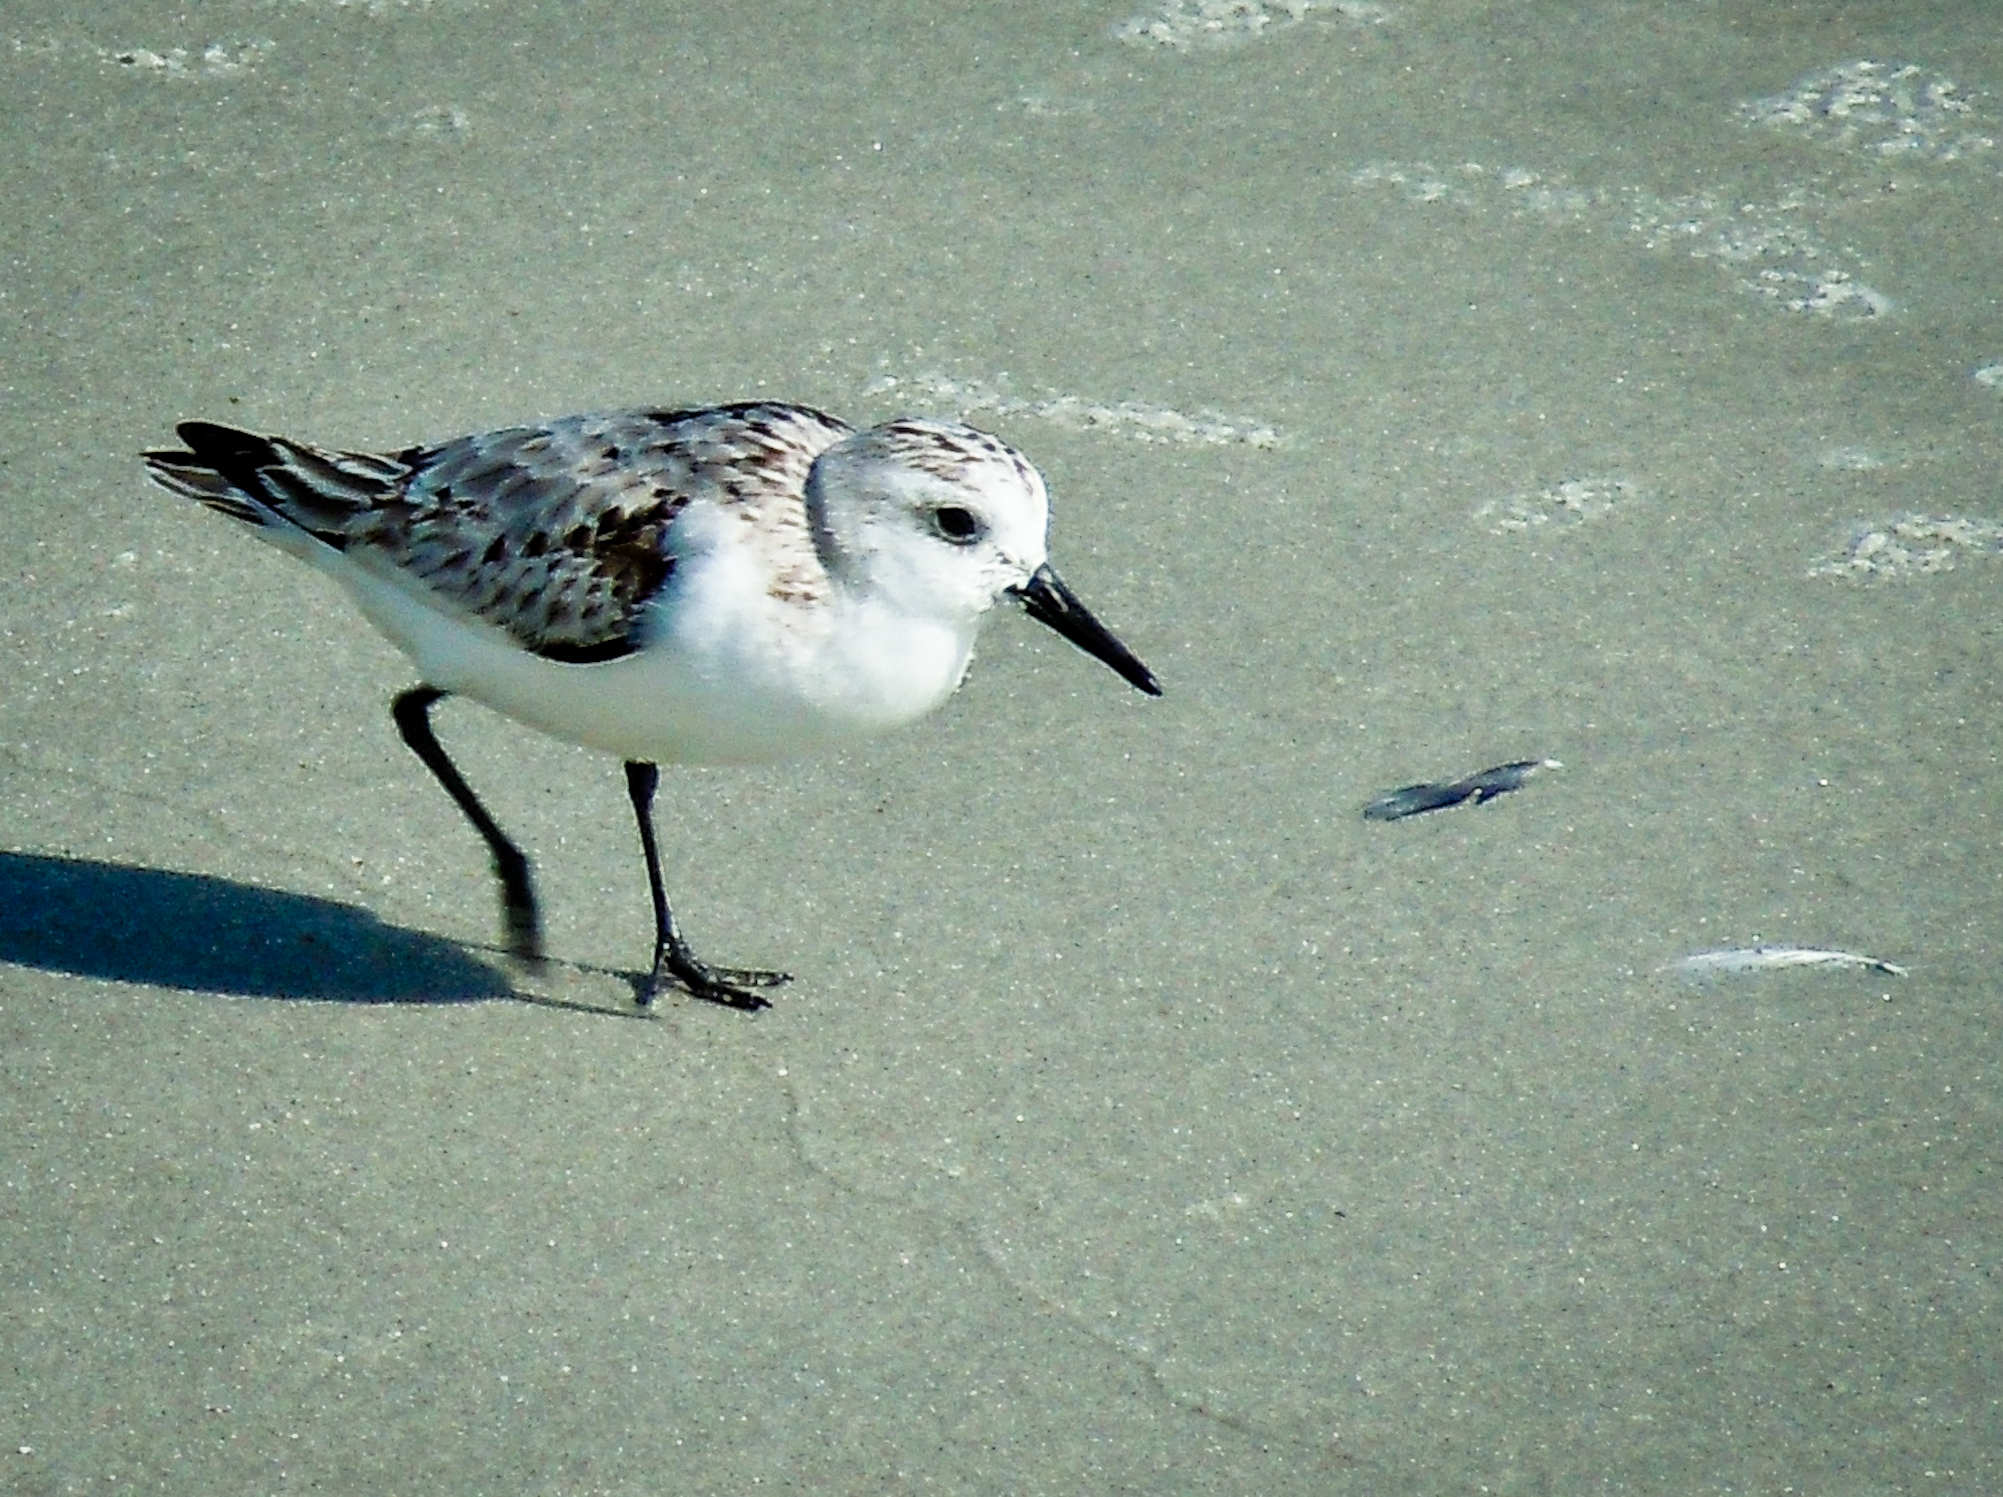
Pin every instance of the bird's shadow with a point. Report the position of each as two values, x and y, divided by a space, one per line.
213 935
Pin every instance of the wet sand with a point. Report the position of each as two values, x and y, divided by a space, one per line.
1422 387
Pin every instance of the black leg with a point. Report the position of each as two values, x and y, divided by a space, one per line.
412 712
727 985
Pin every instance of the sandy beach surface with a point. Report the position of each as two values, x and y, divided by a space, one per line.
1422 387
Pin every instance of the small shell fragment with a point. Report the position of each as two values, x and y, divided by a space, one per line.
1437 795
1765 958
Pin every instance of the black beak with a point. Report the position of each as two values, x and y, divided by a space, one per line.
1046 599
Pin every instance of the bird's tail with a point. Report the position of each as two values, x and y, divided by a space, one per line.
274 483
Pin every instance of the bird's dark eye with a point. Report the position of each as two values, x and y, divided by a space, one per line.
960 526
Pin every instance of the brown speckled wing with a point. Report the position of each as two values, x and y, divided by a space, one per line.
557 534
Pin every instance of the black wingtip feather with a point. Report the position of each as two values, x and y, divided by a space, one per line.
237 455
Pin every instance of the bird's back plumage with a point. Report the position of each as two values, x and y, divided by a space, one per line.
556 534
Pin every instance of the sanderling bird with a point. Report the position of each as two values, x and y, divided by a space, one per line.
735 584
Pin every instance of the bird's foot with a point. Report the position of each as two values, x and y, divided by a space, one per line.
733 987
